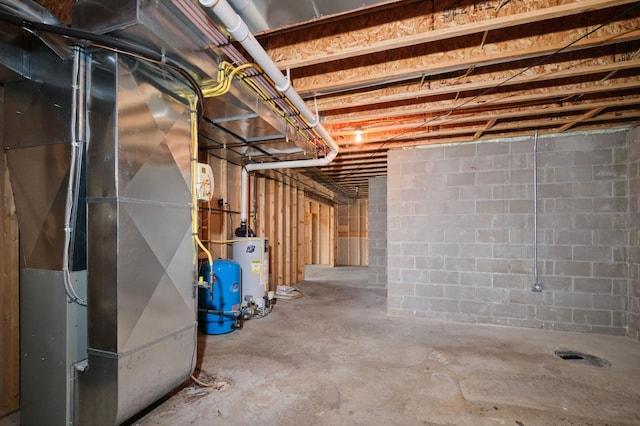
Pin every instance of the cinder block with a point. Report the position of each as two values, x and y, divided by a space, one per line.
445 249
521 176
492 265
521 267
510 281
416 249
393 301
487 294
610 270
497 177
393 275
592 317
460 179
592 254
556 283
445 166
593 285
524 297
429 290
574 205
569 236
476 163
491 207
459 292
401 262
521 147
460 235
593 189
616 205
555 314
475 250
510 251
573 300
482 309
610 302
456 151
444 305
401 289
620 286
459 264
555 190
475 192
568 268
521 206
414 303
414 276
475 279
519 236
432 263
509 310
444 277
573 174
493 236
492 148
555 252
610 172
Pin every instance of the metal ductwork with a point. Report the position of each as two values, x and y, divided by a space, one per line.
132 251
140 263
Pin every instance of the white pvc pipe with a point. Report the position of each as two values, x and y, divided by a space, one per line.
239 30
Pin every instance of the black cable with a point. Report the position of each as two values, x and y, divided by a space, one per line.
110 43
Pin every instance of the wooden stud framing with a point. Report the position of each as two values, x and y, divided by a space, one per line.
9 297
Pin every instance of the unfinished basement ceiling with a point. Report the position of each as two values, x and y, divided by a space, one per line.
412 72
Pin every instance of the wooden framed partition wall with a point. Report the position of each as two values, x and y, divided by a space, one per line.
276 211
320 232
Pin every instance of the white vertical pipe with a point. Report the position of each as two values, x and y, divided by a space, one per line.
536 286
240 31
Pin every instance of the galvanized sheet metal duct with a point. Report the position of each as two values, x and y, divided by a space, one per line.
142 323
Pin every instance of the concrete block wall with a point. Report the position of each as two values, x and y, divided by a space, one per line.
634 232
460 232
378 231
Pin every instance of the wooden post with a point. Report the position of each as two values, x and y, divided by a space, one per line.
302 231
286 232
9 293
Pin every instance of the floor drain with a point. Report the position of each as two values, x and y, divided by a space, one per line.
582 358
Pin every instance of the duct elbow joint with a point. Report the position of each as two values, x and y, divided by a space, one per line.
208 3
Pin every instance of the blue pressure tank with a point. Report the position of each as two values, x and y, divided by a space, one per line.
219 305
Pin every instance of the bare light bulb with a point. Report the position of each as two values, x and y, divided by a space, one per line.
358 135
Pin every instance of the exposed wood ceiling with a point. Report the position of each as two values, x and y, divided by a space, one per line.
424 72
416 72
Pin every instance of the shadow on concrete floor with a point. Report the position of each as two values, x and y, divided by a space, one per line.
334 357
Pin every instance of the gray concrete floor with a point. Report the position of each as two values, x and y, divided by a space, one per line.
334 357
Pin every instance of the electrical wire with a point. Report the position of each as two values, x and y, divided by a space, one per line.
111 44
74 176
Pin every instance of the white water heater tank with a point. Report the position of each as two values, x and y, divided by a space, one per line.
252 253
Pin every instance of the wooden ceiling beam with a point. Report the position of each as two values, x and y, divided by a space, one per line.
511 129
582 118
334 49
427 108
456 55
347 172
466 121
415 90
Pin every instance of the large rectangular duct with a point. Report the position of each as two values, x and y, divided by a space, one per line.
141 300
